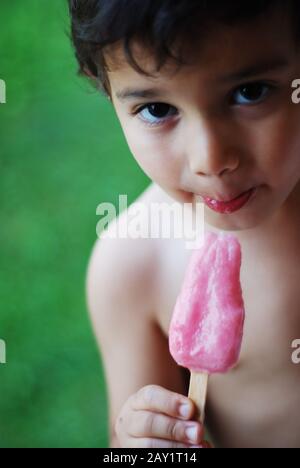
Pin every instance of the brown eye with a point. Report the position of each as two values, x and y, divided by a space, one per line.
252 93
156 113
159 110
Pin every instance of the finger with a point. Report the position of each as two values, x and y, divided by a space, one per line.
154 425
160 400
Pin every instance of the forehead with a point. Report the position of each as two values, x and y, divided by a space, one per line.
223 49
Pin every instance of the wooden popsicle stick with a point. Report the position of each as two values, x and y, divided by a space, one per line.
198 392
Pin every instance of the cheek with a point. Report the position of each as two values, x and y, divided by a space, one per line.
157 155
279 146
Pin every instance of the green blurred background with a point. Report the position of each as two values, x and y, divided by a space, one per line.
62 152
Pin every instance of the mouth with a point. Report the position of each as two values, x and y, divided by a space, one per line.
231 206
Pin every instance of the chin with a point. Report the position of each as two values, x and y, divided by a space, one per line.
239 221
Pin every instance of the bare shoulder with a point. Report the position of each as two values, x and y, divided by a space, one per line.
146 273
124 266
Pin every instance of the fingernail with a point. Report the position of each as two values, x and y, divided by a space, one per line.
184 410
192 433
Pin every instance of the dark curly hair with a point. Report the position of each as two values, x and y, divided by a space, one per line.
157 24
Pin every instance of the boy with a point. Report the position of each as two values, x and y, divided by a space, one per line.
203 94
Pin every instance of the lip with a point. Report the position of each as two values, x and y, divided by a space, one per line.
231 206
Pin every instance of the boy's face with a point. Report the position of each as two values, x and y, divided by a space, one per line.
221 126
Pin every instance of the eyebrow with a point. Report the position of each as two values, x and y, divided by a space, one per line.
255 70
246 73
129 93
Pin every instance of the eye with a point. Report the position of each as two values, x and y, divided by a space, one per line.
252 93
156 113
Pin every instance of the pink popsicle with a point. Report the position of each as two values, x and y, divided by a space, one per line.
207 325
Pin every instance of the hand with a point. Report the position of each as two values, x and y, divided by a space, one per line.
157 418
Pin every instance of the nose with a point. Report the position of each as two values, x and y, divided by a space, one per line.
212 151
